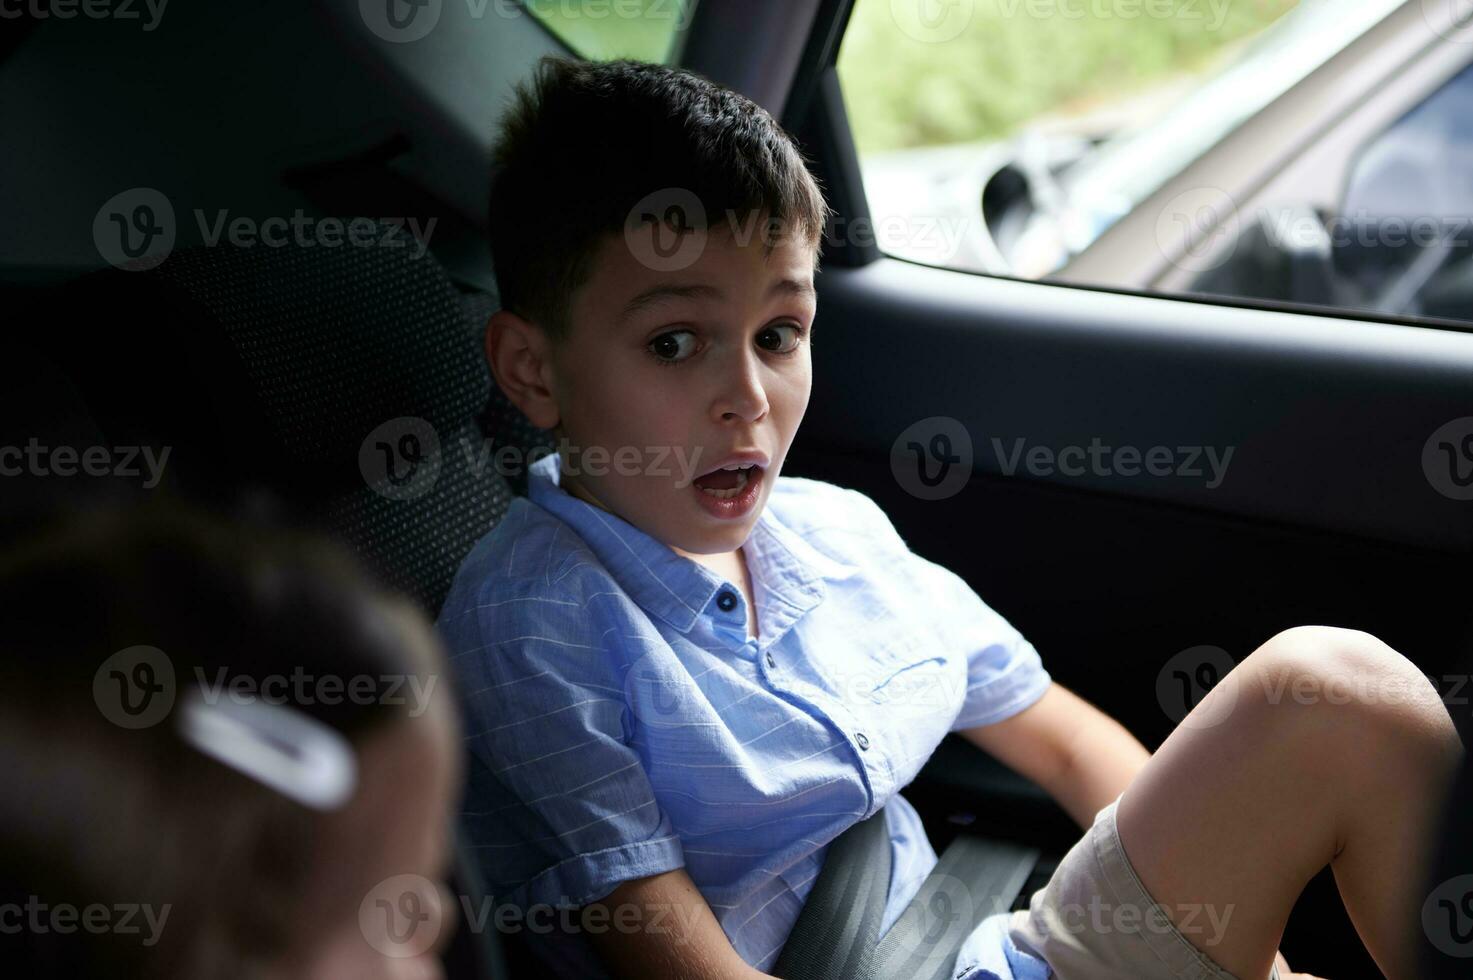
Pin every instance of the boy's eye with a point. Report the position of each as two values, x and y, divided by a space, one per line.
672 347
678 345
765 337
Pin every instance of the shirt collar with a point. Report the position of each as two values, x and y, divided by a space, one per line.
670 585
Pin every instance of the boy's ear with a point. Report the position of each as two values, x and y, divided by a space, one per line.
519 354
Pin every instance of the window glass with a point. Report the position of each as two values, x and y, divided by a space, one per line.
1400 240
1008 136
602 30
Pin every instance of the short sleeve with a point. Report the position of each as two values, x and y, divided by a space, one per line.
558 809
1005 674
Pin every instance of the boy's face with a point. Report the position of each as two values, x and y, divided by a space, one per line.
679 370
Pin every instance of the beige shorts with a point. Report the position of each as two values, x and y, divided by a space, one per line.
1094 920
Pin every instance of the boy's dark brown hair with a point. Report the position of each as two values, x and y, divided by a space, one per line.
583 143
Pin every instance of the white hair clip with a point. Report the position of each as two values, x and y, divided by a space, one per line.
278 746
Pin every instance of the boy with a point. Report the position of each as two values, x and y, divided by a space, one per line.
679 690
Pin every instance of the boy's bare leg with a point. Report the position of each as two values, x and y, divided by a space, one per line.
1324 746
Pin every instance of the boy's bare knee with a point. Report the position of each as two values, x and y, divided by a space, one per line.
1368 686
1302 665
1347 703
1327 644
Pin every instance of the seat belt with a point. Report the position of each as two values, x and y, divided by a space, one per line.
836 935
837 930
975 878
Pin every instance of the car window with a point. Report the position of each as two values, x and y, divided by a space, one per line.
602 30
1400 240
1008 137
967 115
1135 163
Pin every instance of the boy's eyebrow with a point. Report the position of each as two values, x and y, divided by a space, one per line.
664 291
801 288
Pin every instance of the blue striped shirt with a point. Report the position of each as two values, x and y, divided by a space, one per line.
621 722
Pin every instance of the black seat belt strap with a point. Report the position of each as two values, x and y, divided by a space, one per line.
836 933
973 879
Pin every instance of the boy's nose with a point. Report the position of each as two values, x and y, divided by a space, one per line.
749 405
743 396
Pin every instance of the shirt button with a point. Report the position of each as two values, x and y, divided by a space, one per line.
727 601
861 739
771 660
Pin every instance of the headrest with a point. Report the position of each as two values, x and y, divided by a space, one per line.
278 361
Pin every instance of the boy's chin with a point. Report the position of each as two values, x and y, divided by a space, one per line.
712 538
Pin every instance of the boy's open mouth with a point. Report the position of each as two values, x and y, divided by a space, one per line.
728 482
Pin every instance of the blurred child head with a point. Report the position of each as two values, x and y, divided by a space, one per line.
223 745
655 238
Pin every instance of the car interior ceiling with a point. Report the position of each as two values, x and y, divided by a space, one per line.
263 370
